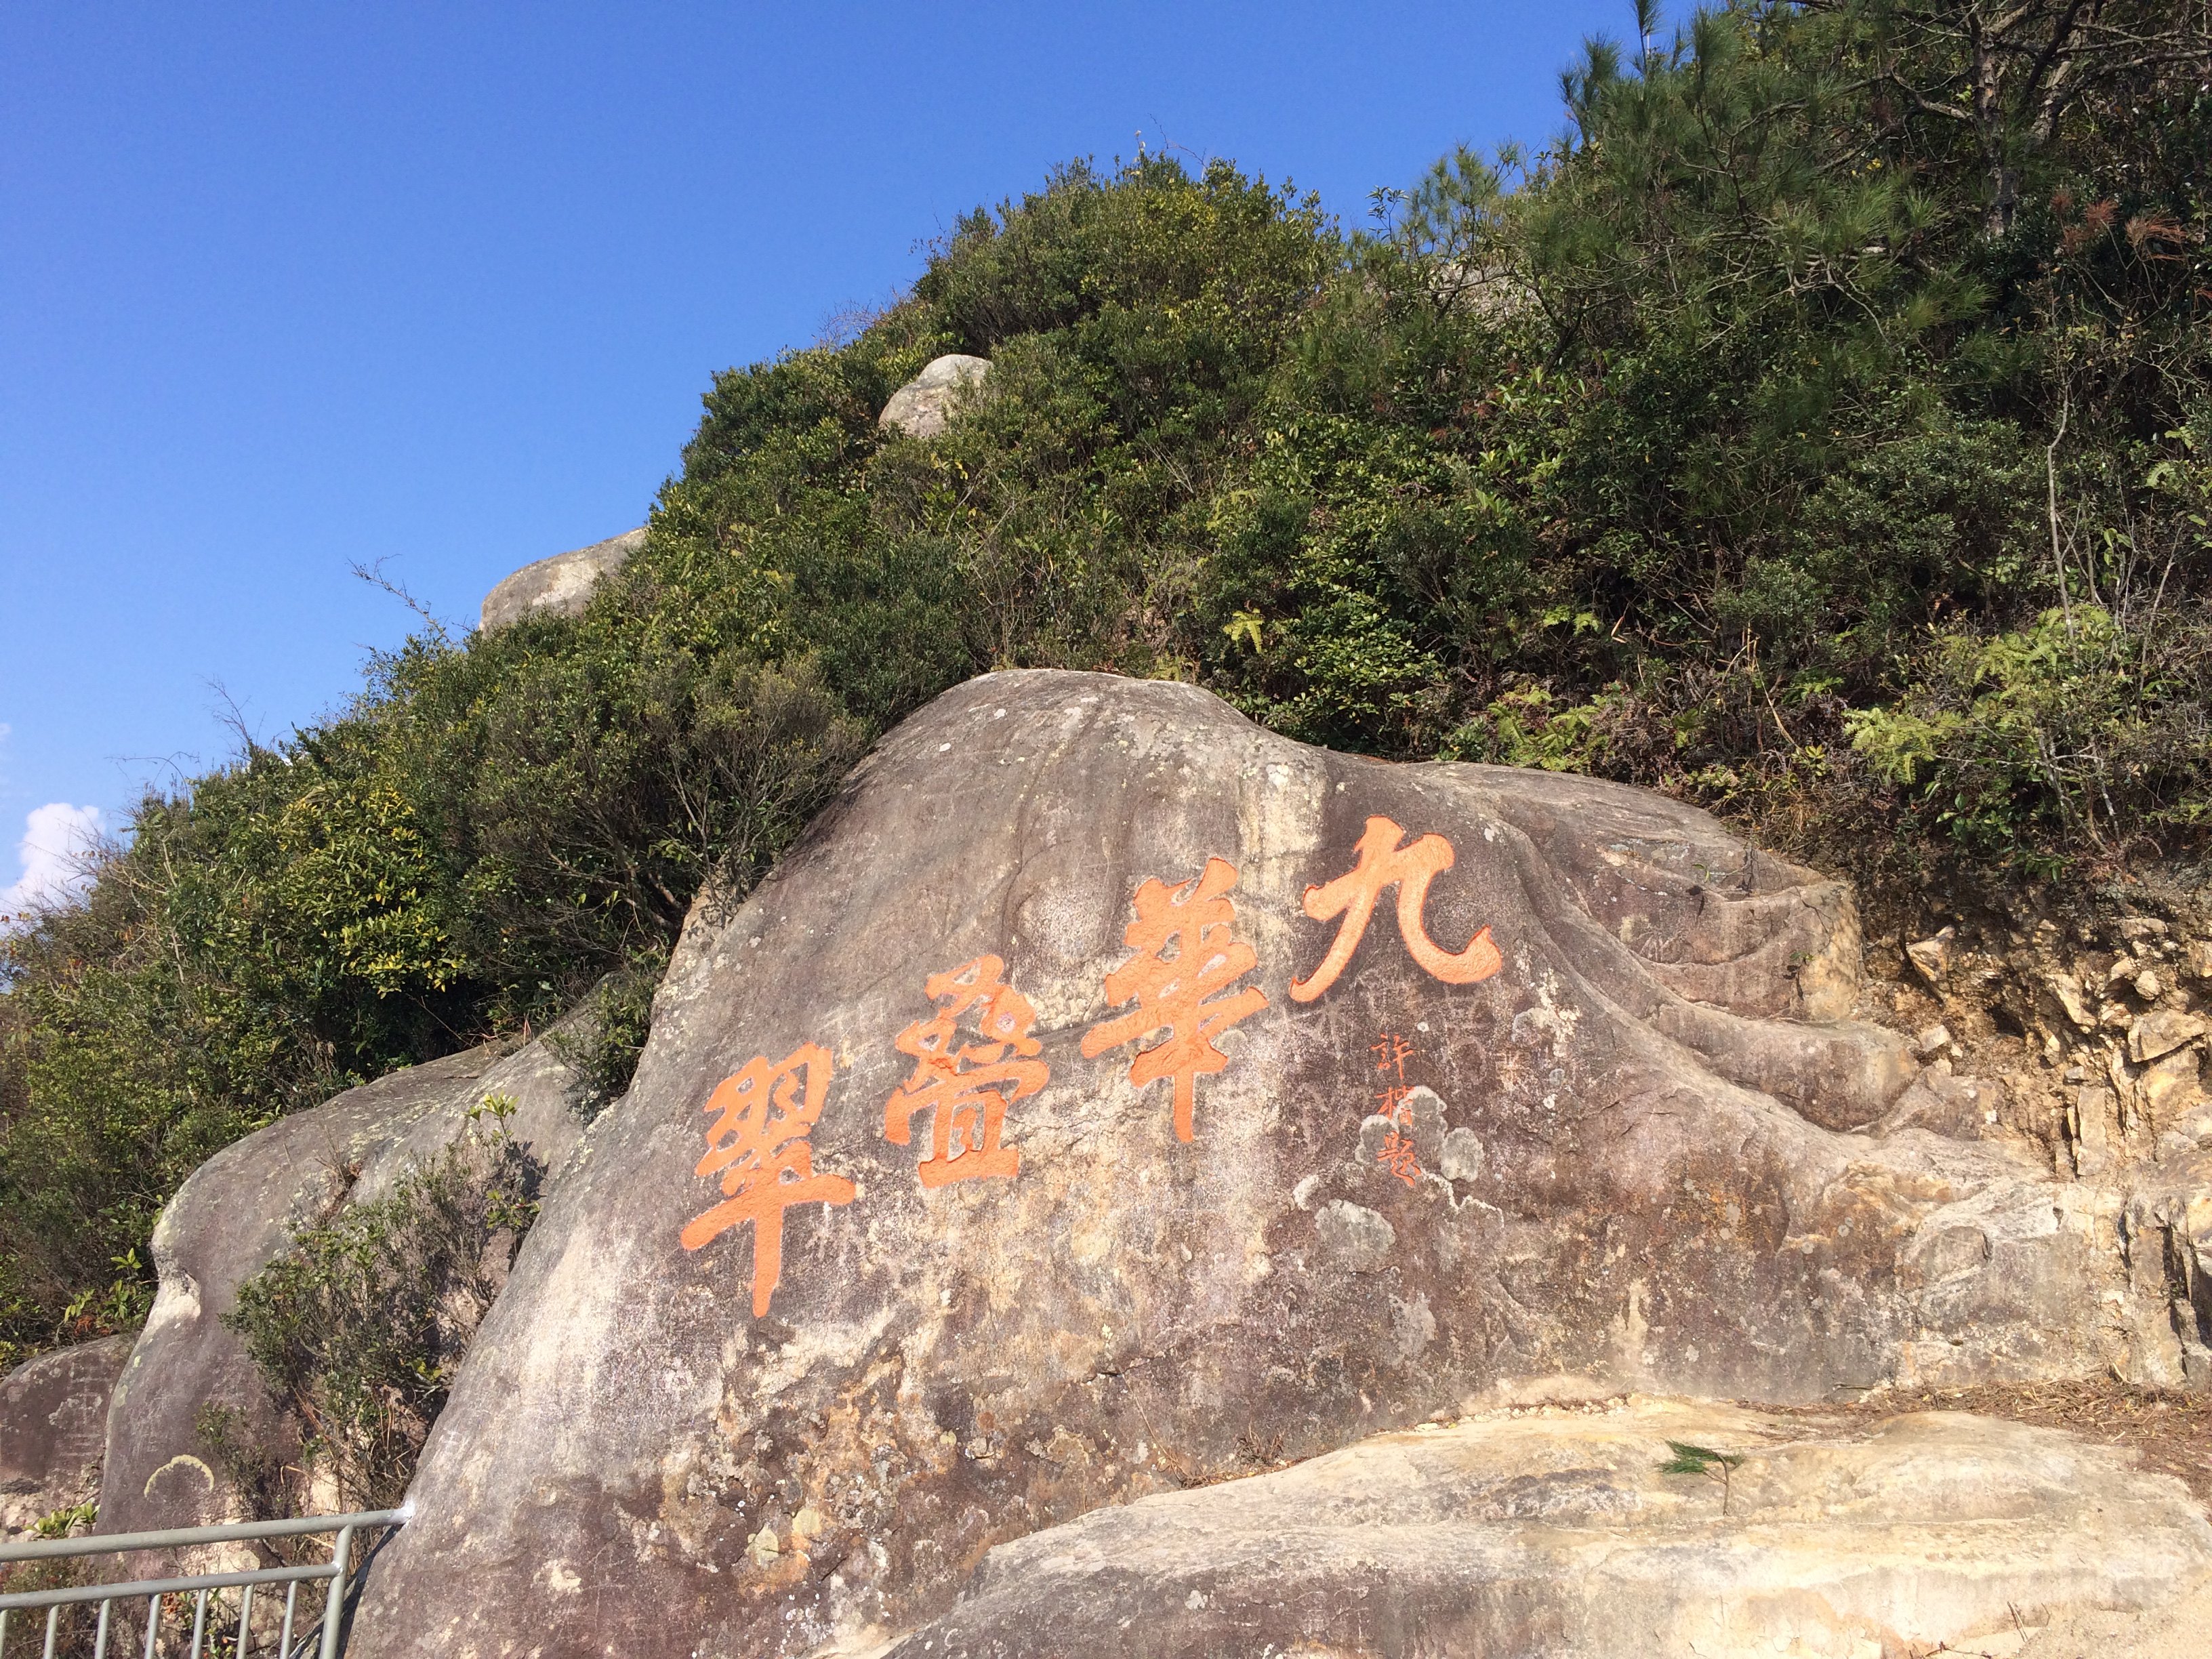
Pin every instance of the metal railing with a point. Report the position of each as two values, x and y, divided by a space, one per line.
204 1589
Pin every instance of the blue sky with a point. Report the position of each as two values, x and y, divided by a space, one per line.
288 288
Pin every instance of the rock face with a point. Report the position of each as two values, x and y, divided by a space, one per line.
53 1429
1107 1094
561 586
921 407
1557 1534
238 1211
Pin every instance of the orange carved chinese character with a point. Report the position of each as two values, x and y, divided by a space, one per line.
1398 1154
759 1145
1352 896
971 1102
1172 992
1391 1054
1398 1157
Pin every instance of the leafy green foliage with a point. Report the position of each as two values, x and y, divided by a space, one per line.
1816 431
66 1522
602 1041
361 1325
1718 1467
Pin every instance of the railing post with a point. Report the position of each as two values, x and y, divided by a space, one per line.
152 1623
334 1608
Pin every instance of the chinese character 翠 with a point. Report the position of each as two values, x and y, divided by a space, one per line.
758 1143
1172 992
969 1087
1354 895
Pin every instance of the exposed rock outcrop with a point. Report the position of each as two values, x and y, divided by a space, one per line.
1107 1093
237 1213
1557 1532
925 405
53 1429
2083 1043
561 586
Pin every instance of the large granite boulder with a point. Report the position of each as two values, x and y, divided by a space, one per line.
237 1213
925 405
1107 1093
53 1429
561 586
1560 1533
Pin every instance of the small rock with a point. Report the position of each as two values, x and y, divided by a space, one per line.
2195 1128
923 406
561 586
1931 1042
2199 958
2148 987
2141 927
2092 1121
2160 1032
763 1547
2068 990
2169 1086
1931 957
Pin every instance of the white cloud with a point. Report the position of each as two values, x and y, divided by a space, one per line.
57 839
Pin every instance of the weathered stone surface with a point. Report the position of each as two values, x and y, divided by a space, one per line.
561 586
2170 1087
2161 1031
53 1429
922 407
1556 1534
2067 991
2167 1234
241 1208
1641 1149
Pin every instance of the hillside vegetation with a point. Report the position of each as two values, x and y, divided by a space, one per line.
1820 430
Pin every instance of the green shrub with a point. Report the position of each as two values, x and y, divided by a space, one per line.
359 1327
602 1041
